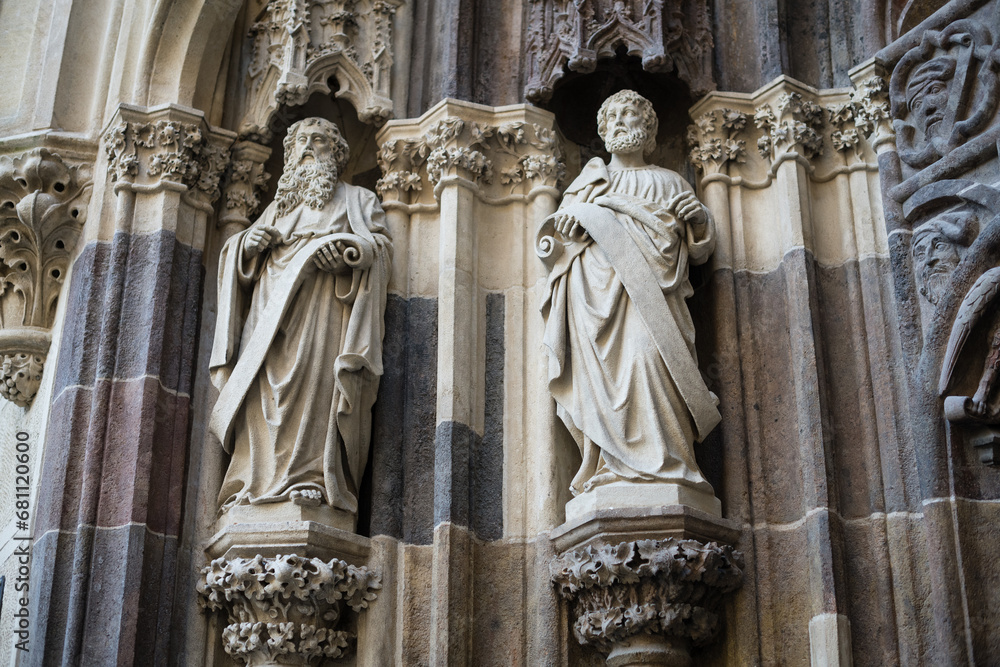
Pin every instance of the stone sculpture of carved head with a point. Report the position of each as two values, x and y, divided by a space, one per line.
927 93
937 249
315 156
626 122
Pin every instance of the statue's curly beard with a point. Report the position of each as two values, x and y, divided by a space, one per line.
625 143
311 184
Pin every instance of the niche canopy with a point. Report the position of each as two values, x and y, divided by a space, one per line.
573 34
296 46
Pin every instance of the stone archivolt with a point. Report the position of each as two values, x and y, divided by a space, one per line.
669 587
296 46
496 160
574 34
43 204
287 609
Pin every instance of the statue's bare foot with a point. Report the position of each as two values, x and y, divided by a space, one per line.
600 480
306 497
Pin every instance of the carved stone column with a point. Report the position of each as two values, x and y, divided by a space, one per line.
109 513
286 610
645 602
43 205
464 187
244 180
800 227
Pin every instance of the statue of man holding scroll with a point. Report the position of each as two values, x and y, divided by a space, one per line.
297 355
618 333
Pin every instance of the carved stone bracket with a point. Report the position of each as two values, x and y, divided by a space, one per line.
166 149
43 204
288 610
647 601
515 155
574 34
296 46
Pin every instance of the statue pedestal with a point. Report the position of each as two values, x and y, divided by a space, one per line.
270 536
629 496
272 582
673 565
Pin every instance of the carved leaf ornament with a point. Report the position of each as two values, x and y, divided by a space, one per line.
286 606
670 587
42 209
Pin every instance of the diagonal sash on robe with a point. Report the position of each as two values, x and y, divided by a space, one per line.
254 352
642 287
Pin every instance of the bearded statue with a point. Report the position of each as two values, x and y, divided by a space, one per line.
618 333
297 354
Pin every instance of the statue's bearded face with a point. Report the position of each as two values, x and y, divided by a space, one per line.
627 123
311 170
936 258
312 144
625 131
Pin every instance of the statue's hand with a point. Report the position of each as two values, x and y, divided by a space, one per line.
330 257
569 227
980 402
260 239
687 208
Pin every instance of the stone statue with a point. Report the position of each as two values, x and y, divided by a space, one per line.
297 355
618 333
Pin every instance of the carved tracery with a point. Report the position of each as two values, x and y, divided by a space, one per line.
297 45
669 35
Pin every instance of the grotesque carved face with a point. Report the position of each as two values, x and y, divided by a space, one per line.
927 94
627 122
935 257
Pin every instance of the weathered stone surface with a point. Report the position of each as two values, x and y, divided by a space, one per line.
864 513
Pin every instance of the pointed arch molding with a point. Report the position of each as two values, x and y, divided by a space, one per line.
296 46
669 35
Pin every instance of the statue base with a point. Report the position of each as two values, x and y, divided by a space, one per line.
289 511
641 495
307 532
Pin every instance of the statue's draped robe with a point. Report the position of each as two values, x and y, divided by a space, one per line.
607 372
298 355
